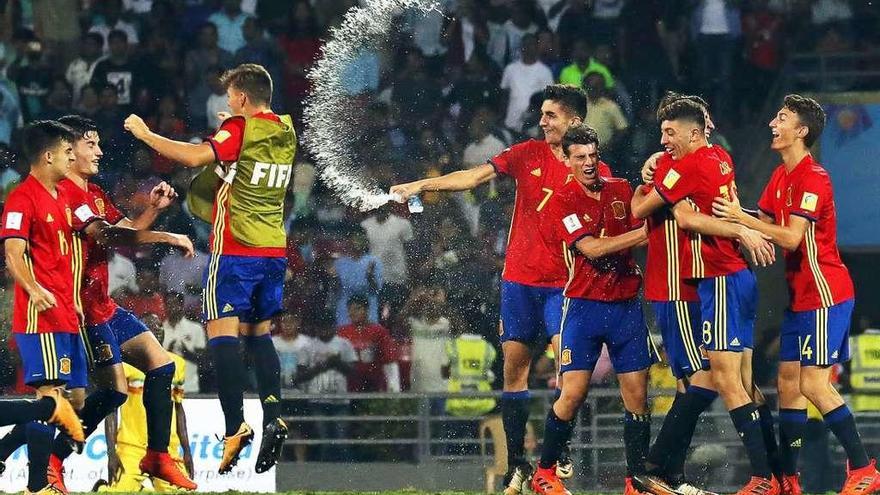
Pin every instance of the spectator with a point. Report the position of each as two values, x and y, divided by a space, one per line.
118 70
358 273
376 368
425 316
289 343
388 236
184 337
230 23
324 367
522 79
79 72
605 115
111 20
198 61
584 63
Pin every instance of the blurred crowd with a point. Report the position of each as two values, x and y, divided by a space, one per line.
373 297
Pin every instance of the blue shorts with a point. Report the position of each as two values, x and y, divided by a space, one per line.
53 358
586 325
679 323
248 287
819 337
728 304
105 340
527 310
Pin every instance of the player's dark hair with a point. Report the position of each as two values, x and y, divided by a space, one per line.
683 109
572 98
117 34
360 300
79 125
579 134
810 114
251 79
40 136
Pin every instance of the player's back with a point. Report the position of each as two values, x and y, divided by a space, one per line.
699 178
667 243
533 253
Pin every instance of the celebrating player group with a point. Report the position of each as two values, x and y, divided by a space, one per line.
57 227
569 276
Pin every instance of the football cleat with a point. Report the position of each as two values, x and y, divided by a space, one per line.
565 466
233 445
55 473
274 435
545 482
761 486
862 481
65 417
516 481
653 484
791 484
160 465
689 489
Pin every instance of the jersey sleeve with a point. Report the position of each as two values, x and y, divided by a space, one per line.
111 212
17 217
226 142
810 196
678 182
513 160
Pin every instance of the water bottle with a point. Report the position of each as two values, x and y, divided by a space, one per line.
415 204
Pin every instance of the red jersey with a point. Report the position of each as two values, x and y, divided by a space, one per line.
46 222
533 252
817 278
92 279
576 215
699 178
666 245
226 143
374 348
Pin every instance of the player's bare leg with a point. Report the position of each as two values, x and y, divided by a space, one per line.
862 475
515 413
637 424
223 339
558 428
258 343
792 420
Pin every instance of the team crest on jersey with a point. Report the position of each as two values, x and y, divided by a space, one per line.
725 168
565 359
619 209
64 366
99 204
105 353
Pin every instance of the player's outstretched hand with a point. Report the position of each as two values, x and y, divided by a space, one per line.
403 192
758 245
162 196
650 167
730 211
184 243
41 298
136 126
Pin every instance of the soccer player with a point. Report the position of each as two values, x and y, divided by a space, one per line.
796 211
534 271
601 307
725 285
36 229
244 281
127 436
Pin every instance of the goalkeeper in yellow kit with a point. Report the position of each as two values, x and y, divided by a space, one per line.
127 436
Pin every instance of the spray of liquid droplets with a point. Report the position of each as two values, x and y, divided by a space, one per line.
332 122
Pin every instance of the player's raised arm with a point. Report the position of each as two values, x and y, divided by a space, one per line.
788 237
460 180
189 154
18 263
757 243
